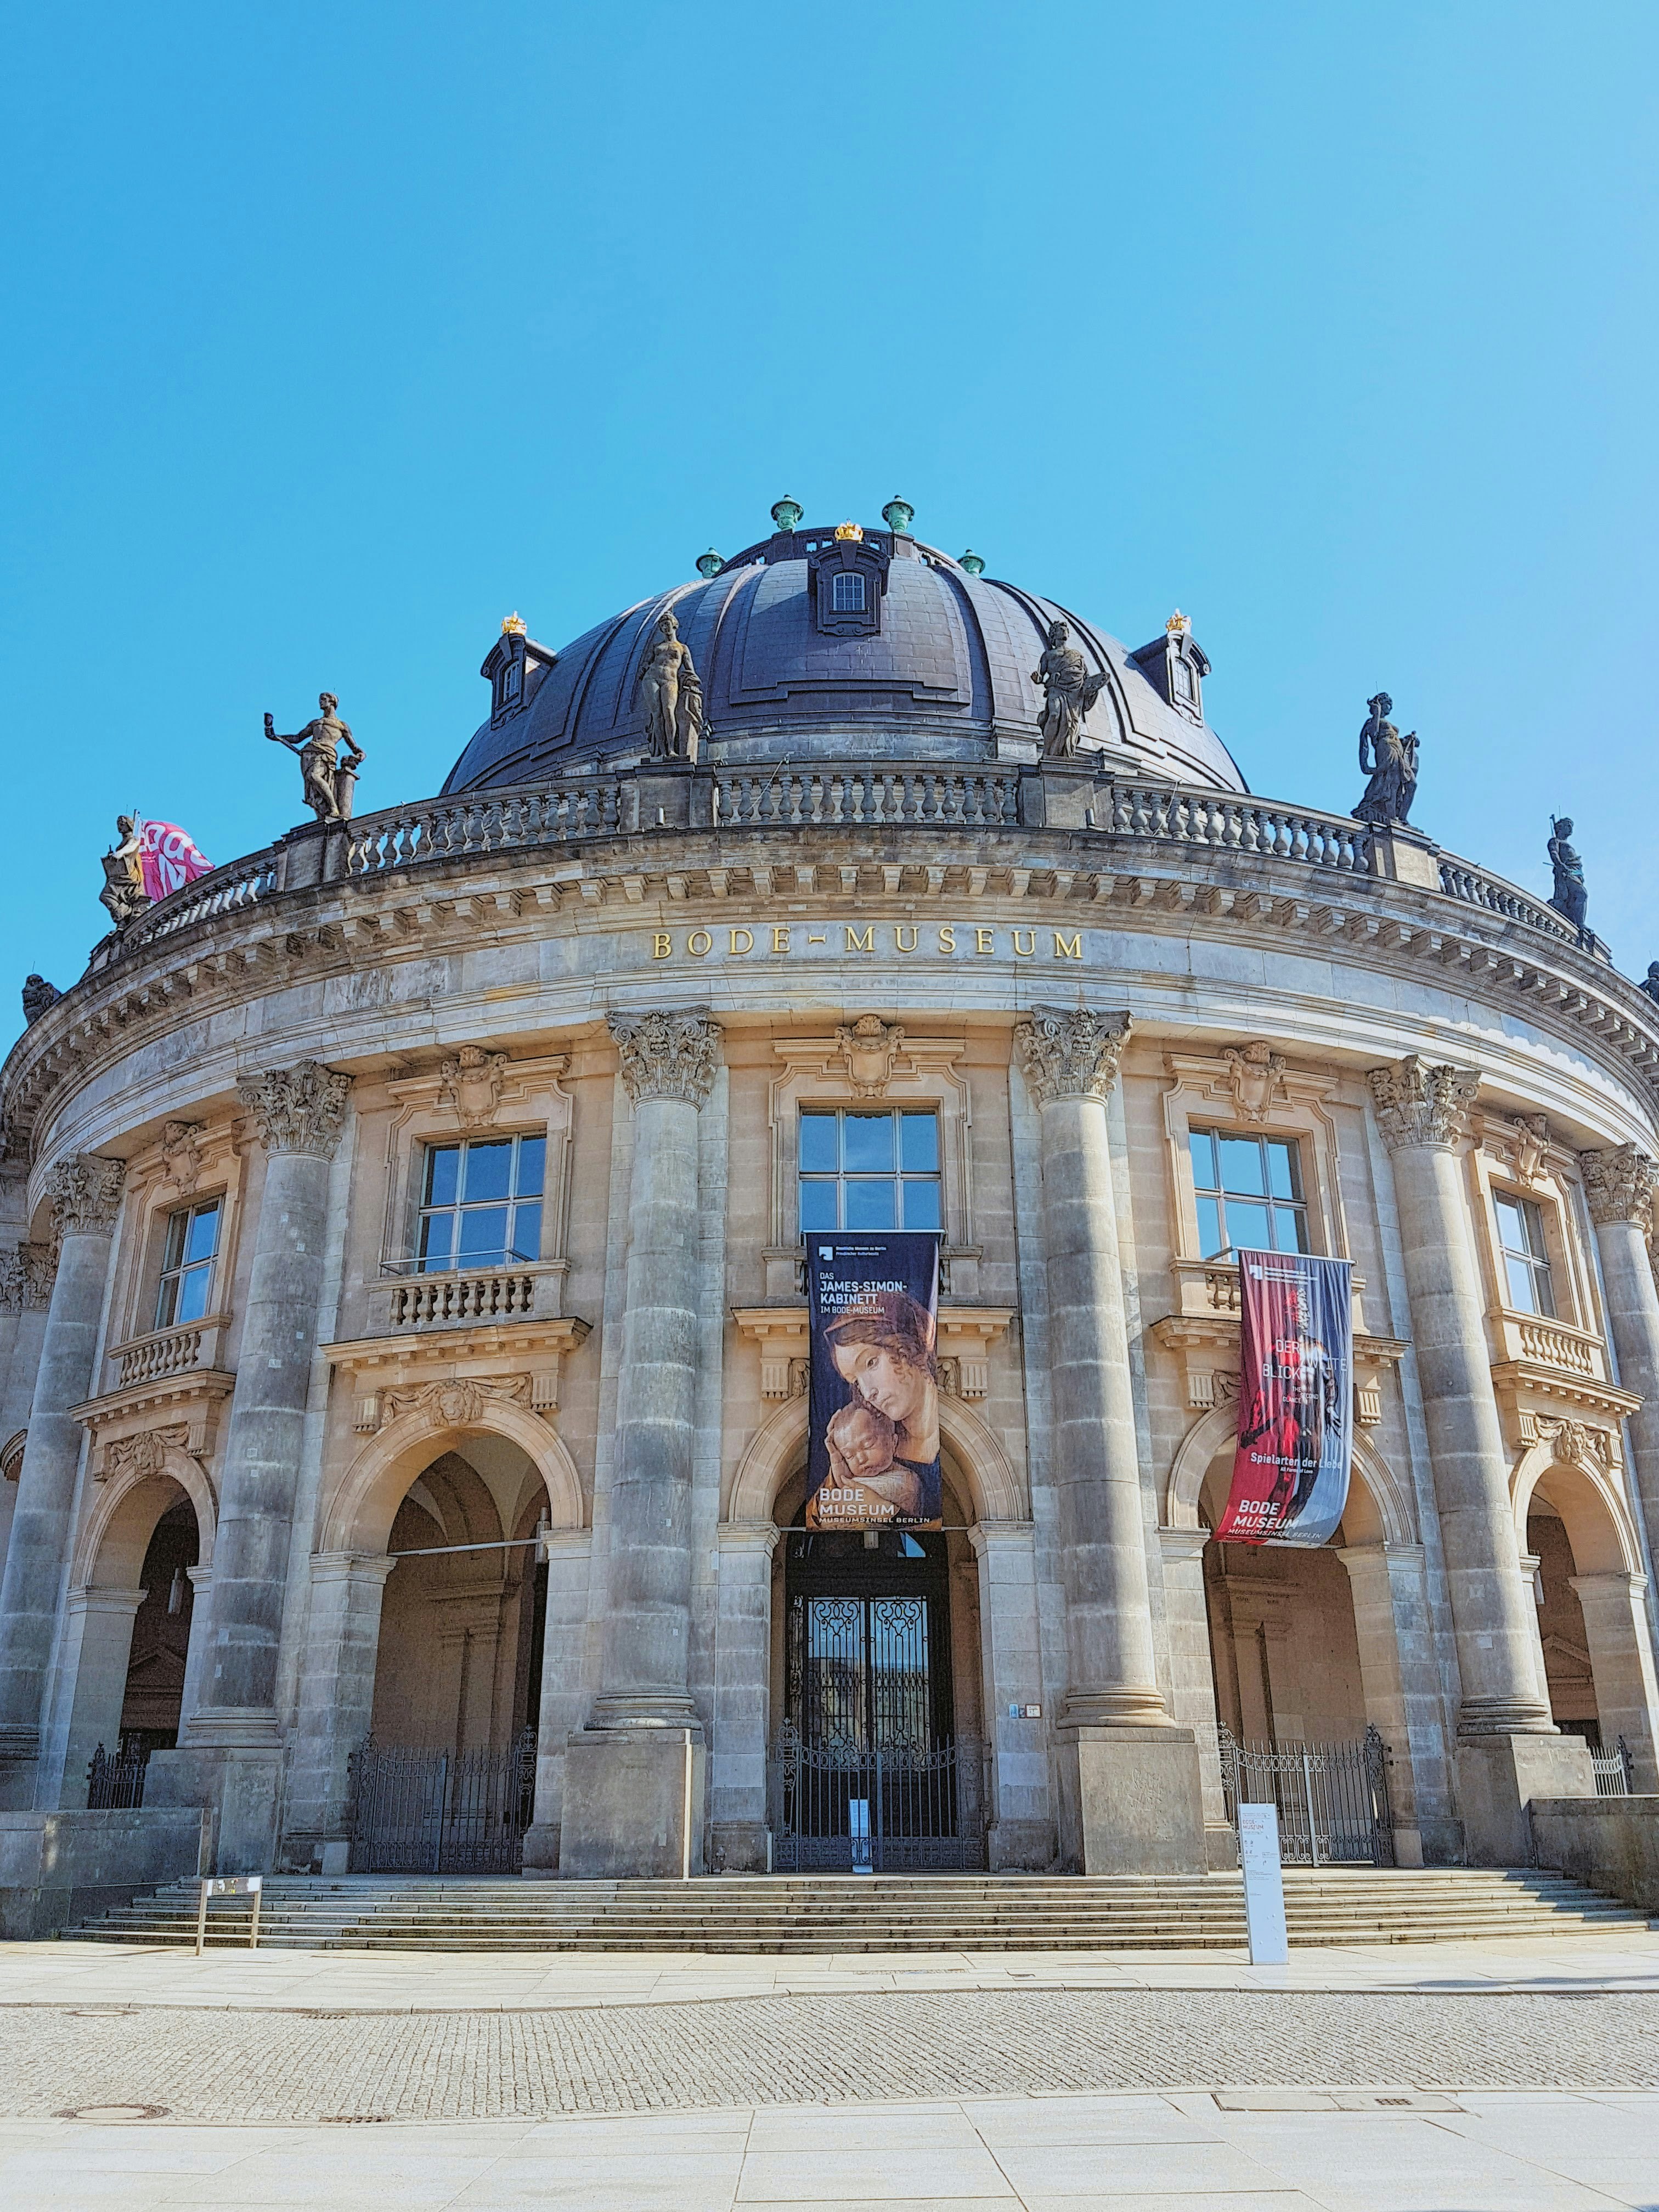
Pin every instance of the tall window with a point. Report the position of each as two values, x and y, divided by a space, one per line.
481 1204
1250 1194
1526 1256
847 594
869 1168
187 1257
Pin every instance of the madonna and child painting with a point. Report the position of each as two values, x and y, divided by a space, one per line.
873 1436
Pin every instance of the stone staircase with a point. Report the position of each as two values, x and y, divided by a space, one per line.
817 1913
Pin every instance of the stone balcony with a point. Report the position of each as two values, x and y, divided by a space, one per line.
169 1385
404 1303
1547 1371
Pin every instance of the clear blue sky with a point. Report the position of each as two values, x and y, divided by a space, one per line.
339 331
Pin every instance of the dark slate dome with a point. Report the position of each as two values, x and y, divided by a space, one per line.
933 661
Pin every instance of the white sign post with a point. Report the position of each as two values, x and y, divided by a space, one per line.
1264 1884
234 1885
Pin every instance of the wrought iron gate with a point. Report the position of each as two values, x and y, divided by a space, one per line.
441 1812
115 1779
1332 1798
862 1776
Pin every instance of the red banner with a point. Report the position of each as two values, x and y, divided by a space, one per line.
169 857
1295 1399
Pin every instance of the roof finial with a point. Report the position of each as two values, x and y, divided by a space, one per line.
710 563
972 562
848 529
1178 625
513 625
898 514
788 512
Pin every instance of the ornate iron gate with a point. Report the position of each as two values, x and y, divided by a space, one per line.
115 1779
441 1812
1332 1798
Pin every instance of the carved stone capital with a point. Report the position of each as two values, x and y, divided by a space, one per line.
85 1191
1422 1105
1071 1052
298 1110
666 1055
1619 1184
26 1278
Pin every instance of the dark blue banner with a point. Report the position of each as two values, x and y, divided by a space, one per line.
874 1421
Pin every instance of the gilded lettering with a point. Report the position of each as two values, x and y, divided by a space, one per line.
661 945
748 937
984 940
779 937
1068 948
899 928
1026 949
947 937
696 949
857 944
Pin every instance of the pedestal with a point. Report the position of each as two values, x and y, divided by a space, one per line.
1499 1775
631 1796
240 1787
1131 1801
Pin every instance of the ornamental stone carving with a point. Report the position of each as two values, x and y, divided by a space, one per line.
666 1055
26 1278
1422 1105
144 1454
85 1191
299 1109
1532 1146
459 1403
1071 1052
1257 1074
1618 1186
11 1455
181 1153
869 1047
471 1085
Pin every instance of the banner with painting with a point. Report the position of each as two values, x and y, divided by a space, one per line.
1295 1399
873 1444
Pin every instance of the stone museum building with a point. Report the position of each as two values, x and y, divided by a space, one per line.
404 1351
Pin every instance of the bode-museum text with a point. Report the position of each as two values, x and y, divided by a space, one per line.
739 939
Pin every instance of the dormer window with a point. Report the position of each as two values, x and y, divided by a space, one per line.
514 666
847 597
846 581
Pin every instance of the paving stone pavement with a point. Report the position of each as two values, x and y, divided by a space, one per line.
286 2065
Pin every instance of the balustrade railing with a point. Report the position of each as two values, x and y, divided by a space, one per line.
167 1351
1230 824
430 1301
1550 1346
916 796
1459 880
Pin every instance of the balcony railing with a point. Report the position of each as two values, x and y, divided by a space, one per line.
430 1301
1554 1344
167 1352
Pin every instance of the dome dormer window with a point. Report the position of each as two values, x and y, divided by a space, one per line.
847 594
847 579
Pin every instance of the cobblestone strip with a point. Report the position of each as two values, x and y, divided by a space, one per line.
251 2066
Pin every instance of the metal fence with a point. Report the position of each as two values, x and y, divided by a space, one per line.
851 1808
1614 1771
441 1812
115 1779
1332 1798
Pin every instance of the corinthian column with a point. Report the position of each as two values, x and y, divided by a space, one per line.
86 1194
1131 1801
626 1776
1619 1183
1423 1113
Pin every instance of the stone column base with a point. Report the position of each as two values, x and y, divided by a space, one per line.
541 1848
623 1816
1498 1776
241 1788
1131 1801
1020 1846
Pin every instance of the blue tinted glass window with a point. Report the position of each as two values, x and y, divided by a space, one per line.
188 1251
869 1168
470 1218
1234 1179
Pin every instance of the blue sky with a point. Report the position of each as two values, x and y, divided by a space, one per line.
338 332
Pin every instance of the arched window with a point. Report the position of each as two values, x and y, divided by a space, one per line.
847 598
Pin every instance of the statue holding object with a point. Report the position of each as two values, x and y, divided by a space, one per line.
674 722
1068 692
1390 762
124 894
329 781
1569 896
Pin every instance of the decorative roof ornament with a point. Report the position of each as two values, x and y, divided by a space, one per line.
710 563
972 562
513 625
898 514
1390 762
1570 898
1178 625
788 512
848 529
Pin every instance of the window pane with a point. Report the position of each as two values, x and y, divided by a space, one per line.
919 1143
870 1205
1284 1170
1511 1228
443 1164
178 1229
1241 1167
1209 1228
194 1294
1203 1146
533 1160
817 1205
437 1235
1290 1229
817 1146
921 1205
1544 1290
167 1301
1247 1225
488 1168
203 1233
868 1144
527 1233
484 1232
1532 1222
1521 1291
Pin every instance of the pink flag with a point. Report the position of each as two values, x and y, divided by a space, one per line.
169 857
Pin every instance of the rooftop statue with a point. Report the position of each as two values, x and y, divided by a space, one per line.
1649 982
123 891
1569 896
38 995
1068 692
1390 762
329 783
673 695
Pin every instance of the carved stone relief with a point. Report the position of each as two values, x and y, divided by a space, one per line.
1619 1182
298 1110
1071 1052
181 1151
471 1085
26 1278
458 1402
141 1455
869 1047
1417 1104
666 1055
85 1191
1257 1074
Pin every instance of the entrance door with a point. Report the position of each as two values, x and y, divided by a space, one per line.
866 1774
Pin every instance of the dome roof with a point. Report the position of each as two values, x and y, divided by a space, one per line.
935 661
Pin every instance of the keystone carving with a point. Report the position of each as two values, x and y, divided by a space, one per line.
459 1403
26 1278
869 1046
471 1084
1591 1447
1418 1104
1532 1146
144 1454
1256 1073
299 1109
1070 1052
85 1191
666 1055
1618 1186
181 1151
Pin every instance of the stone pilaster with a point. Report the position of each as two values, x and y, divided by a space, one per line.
1021 1830
742 1674
85 1196
1129 1793
337 1703
625 1793
564 1690
1422 1110
1618 1185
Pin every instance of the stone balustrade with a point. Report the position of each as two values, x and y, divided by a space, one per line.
1552 1344
166 1352
456 1300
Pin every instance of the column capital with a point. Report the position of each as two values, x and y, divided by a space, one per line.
1422 1105
299 1109
26 1281
1071 1052
1619 1183
85 1191
666 1055
352 1566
